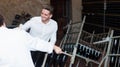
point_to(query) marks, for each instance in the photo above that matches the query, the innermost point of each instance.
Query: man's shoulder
(36, 17)
(53, 21)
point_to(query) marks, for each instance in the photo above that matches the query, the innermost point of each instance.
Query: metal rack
(76, 38)
(71, 39)
(112, 57)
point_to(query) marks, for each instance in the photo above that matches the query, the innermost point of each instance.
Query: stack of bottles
(83, 50)
(69, 48)
(114, 60)
(88, 52)
(56, 60)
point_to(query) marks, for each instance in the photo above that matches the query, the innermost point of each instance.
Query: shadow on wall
(21, 19)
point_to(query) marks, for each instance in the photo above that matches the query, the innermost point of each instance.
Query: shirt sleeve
(34, 43)
(27, 25)
(54, 35)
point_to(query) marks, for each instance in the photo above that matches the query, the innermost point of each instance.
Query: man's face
(45, 15)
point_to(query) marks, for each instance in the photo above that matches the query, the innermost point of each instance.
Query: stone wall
(9, 8)
(76, 10)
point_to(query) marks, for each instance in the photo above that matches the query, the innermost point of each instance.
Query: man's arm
(53, 37)
(26, 26)
(35, 43)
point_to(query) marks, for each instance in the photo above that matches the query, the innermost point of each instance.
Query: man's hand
(57, 50)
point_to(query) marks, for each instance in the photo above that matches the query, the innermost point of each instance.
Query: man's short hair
(1, 20)
(49, 8)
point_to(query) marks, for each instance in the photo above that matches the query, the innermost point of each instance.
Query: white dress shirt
(46, 32)
(15, 47)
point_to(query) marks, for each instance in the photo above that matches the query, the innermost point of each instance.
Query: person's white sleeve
(54, 34)
(41, 45)
(37, 44)
(26, 26)
(53, 37)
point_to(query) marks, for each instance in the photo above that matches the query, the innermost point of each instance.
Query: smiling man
(43, 27)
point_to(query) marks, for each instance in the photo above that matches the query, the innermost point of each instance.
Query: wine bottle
(55, 58)
(62, 60)
(84, 51)
(97, 55)
(88, 52)
(81, 50)
(93, 54)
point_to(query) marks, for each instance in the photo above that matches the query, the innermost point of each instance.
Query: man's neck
(45, 22)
